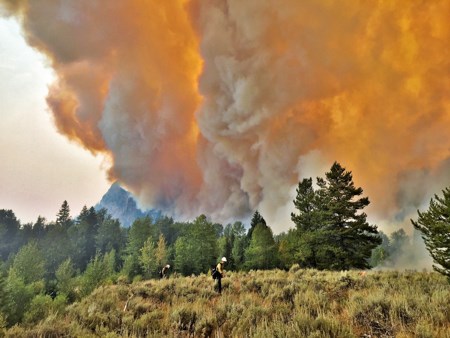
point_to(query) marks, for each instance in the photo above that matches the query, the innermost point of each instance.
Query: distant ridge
(122, 205)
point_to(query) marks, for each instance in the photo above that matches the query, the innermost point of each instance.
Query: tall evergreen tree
(331, 232)
(168, 228)
(256, 219)
(354, 236)
(39, 228)
(140, 230)
(138, 233)
(308, 244)
(82, 237)
(225, 243)
(56, 247)
(110, 236)
(63, 218)
(239, 245)
(262, 251)
(434, 224)
(9, 230)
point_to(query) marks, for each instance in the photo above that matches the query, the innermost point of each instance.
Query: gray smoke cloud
(221, 107)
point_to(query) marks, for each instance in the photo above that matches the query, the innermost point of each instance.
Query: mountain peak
(121, 204)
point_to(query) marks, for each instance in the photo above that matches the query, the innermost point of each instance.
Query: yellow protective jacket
(219, 268)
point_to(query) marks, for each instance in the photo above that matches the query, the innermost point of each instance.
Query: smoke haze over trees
(56, 263)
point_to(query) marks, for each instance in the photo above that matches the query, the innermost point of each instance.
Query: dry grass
(298, 303)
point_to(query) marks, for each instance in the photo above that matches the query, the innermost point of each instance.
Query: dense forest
(51, 264)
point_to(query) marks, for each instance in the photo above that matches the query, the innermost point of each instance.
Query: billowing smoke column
(222, 106)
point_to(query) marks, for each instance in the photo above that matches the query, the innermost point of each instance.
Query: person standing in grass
(220, 272)
(165, 270)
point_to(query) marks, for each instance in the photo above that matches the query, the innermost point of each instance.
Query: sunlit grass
(295, 303)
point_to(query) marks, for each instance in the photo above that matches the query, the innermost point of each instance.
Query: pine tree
(39, 228)
(330, 232)
(355, 238)
(82, 237)
(434, 224)
(308, 244)
(63, 218)
(262, 251)
(256, 219)
(9, 231)
(226, 245)
(110, 236)
(239, 246)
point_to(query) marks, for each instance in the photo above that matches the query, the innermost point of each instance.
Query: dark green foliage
(434, 224)
(262, 251)
(110, 236)
(140, 230)
(39, 228)
(131, 266)
(166, 226)
(226, 244)
(9, 227)
(330, 233)
(63, 218)
(82, 236)
(240, 242)
(256, 219)
(55, 247)
(196, 250)
(309, 243)
(381, 253)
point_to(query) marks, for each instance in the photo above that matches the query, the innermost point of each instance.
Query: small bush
(40, 308)
(183, 318)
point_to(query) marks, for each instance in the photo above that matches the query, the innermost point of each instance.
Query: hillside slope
(298, 303)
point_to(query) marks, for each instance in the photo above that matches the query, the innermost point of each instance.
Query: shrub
(40, 308)
(183, 318)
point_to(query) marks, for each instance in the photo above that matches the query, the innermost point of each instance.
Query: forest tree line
(56, 263)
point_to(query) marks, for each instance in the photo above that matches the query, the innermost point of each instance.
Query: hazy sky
(39, 168)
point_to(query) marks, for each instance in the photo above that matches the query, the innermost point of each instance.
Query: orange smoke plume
(222, 106)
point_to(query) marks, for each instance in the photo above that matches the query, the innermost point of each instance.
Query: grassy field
(297, 303)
